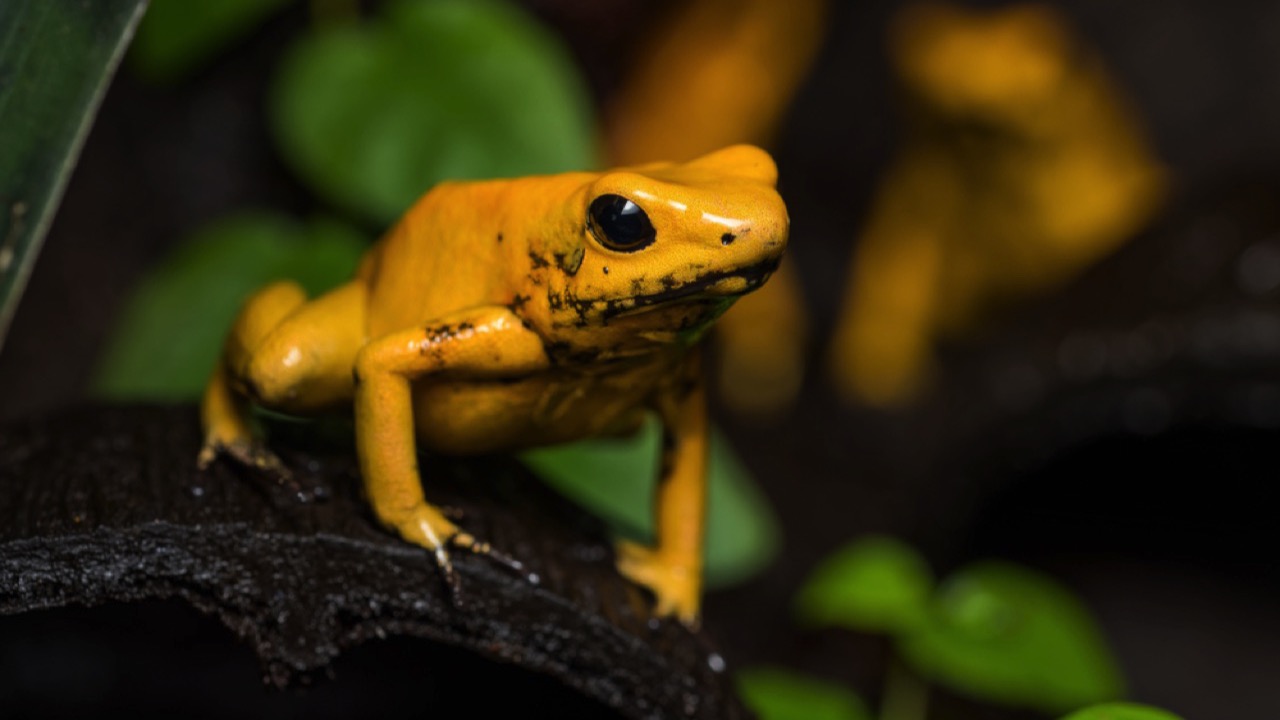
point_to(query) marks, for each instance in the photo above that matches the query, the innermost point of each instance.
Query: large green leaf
(614, 478)
(180, 35)
(56, 59)
(1013, 636)
(1121, 711)
(875, 584)
(171, 332)
(776, 694)
(372, 115)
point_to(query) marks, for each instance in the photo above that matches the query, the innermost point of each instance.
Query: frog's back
(446, 254)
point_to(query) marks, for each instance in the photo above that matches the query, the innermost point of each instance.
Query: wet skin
(506, 314)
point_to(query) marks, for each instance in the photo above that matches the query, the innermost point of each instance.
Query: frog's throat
(752, 277)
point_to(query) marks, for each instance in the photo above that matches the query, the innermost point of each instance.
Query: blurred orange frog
(1021, 166)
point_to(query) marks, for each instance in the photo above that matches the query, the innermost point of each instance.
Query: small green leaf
(373, 115)
(777, 694)
(614, 478)
(56, 59)
(1121, 711)
(1013, 636)
(178, 36)
(874, 584)
(170, 334)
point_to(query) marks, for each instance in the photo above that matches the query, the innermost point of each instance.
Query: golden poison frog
(505, 314)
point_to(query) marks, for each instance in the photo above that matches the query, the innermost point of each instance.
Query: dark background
(1163, 528)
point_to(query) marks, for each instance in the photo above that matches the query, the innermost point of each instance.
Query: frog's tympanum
(1021, 166)
(511, 313)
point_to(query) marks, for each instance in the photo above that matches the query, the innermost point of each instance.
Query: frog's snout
(750, 244)
(760, 236)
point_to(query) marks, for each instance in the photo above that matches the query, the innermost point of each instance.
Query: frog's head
(693, 236)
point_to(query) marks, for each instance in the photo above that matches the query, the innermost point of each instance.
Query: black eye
(620, 224)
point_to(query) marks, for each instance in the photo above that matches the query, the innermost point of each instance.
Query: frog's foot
(675, 585)
(247, 451)
(429, 528)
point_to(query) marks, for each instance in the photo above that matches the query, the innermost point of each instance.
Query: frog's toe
(675, 587)
(427, 528)
(467, 542)
(208, 453)
(250, 453)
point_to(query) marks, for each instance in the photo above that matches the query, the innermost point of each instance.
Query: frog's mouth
(717, 285)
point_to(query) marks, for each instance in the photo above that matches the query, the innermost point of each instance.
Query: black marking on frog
(439, 333)
(673, 290)
(518, 303)
(538, 261)
(499, 237)
(570, 262)
(606, 269)
(728, 238)
(557, 350)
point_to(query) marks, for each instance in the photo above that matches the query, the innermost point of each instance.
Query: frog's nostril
(728, 238)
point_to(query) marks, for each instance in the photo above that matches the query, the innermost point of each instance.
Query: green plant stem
(906, 696)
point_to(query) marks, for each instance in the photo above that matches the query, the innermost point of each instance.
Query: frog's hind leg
(286, 354)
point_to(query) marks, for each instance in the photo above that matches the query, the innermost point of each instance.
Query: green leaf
(373, 115)
(776, 694)
(56, 59)
(1013, 636)
(875, 584)
(180, 35)
(170, 334)
(614, 478)
(1121, 711)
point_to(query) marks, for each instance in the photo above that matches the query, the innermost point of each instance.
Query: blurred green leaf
(875, 584)
(56, 59)
(180, 35)
(1013, 636)
(776, 694)
(614, 478)
(1121, 711)
(171, 332)
(372, 115)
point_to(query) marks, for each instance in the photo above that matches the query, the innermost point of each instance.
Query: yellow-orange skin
(717, 72)
(492, 318)
(1021, 166)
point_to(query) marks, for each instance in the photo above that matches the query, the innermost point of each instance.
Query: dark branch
(106, 504)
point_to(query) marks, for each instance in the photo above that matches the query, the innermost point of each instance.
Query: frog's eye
(620, 224)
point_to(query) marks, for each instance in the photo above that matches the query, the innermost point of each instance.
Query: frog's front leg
(673, 568)
(488, 342)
